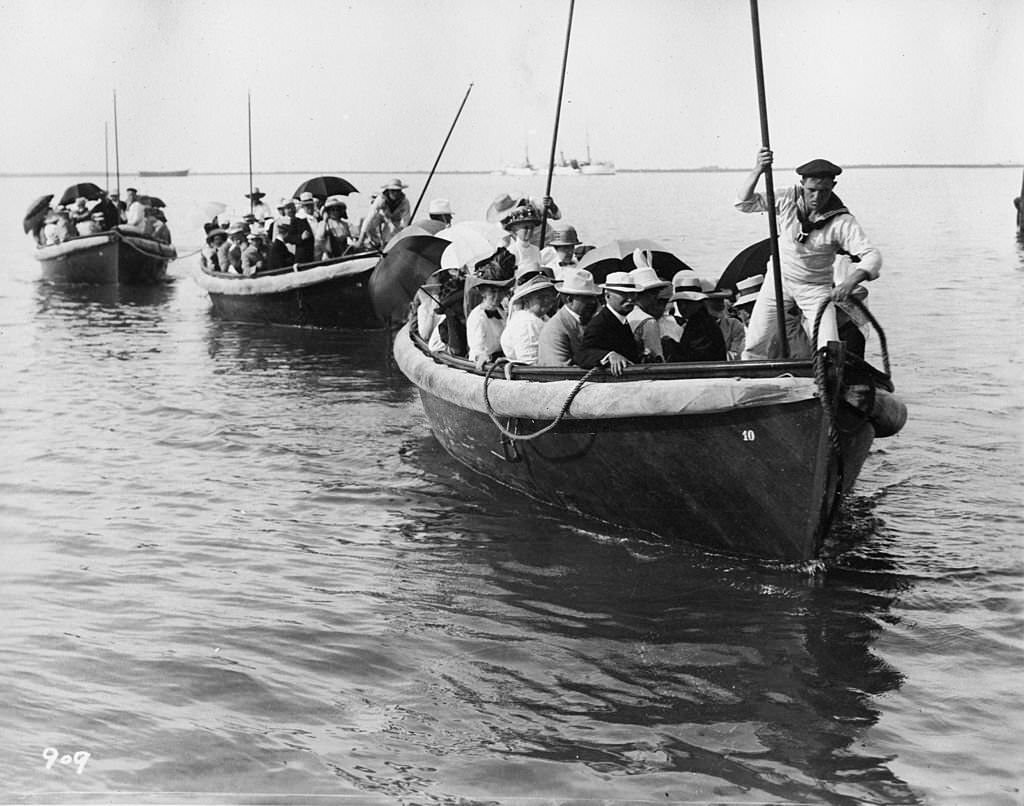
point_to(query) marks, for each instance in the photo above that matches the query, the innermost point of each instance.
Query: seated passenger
(389, 212)
(334, 233)
(237, 243)
(733, 331)
(213, 256)
(135, 211)
(652, 295)
(252, 255)
(486, 321)
(747, 290)
(505, 206)
(530, 305)
(607, 338)
(564, 240)
(92, 225)
(521, 222)
(700, 338)
(282, 251)
(260, 209)
(79, 211)
(562, 334)
(160, 229)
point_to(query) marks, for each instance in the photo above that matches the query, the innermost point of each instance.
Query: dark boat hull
(317, 296)
(110, 258)
(751, 479)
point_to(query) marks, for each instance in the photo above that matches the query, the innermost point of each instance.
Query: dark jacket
(702, 340)
(603, 334)
(278, 256)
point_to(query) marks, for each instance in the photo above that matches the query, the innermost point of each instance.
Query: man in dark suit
(562, 334)
(608, 338)
(281, 252)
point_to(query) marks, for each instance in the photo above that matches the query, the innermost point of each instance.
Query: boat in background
(599, 167)
(113, 257)
(179, 172)
(330, 293)
(524, 168)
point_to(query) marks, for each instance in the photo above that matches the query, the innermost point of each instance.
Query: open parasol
(618, 256)
(752, 260)
(398, 276)
(82, 189)
(37, 212)
(324, 186)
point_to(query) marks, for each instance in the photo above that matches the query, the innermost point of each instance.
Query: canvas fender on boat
(543, 400)
(84, 243)
(275, 283)
(884, 410)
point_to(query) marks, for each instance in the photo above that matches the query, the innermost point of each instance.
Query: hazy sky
(370, 85)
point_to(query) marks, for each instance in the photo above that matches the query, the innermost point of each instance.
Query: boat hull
(110, 258)
(328, 295)
(756, 480)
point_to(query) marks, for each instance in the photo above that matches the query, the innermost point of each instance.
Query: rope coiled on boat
(550, 426)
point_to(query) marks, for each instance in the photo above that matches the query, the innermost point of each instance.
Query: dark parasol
(37, 212)
(618, 256)
(87, 190)
(152, 201)
(752, 260)
(406, 265)
(324, 186)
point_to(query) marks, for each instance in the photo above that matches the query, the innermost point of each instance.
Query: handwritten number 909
(53, 756)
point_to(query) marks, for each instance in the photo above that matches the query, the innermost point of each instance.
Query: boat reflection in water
(619, 663)
(119, 302)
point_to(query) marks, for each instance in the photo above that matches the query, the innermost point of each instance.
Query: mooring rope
(550, 426)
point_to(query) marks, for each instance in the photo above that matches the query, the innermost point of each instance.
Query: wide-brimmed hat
(394, 184)
(256, 194)
(577, 282)
(335, 201)
(686, 285)
(563, 235)
(620, 281)
(238, 228)
(306, 197)
(747, 289)
(285, 203)
(525, 274)
(439, 207)
(524, 213)
(710, 288)
(499, 207)
(645, 278)
(531, 287)
(214, 233)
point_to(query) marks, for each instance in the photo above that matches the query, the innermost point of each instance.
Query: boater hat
(306, 197)
(645, 278)
(439, 207)
(532, 287)
(686, 285)
(336, 201)
(619, 281)
(394, 184)
(747, 290)
(578, 283)
(819, 167)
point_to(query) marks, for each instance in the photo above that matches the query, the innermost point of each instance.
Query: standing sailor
(814, 226)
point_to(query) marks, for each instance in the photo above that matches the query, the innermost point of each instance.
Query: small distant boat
(177, 172)
(1019, 204)
(566, 167)
(524, 168)
(326, 294)
(599, 167)
(115, 257)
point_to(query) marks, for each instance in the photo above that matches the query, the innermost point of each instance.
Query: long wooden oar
(439, 153)
(558, 117)
(769, 185)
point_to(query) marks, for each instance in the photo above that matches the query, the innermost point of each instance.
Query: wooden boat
(177, 172)
(107, 258)
(326, 294)
(740, 457)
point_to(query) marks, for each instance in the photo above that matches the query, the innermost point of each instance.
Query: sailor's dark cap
(819, 167)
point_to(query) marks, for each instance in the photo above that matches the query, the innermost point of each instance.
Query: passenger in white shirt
(135, 211)
(486, 322)
(530, 305)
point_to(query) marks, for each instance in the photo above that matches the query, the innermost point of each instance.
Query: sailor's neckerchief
(833, 208)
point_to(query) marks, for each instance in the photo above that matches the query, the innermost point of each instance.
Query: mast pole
(117, 154)
(252, 203)
(444, 145)
(106, 157)
(769, 185)
(558, 116)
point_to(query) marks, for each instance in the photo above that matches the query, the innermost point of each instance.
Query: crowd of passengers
(536, 306)
(90, 217)
(306, 229)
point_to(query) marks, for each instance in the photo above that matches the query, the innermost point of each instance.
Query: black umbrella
(37, 212)
(324, 186)
(618, 256)
(85, 189)
(152, 201)
(752, 260)
(400, 273)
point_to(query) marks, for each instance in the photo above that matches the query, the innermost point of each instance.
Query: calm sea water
(237, 568)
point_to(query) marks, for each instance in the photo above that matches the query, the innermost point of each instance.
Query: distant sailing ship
(176, 172)
(524, 168)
